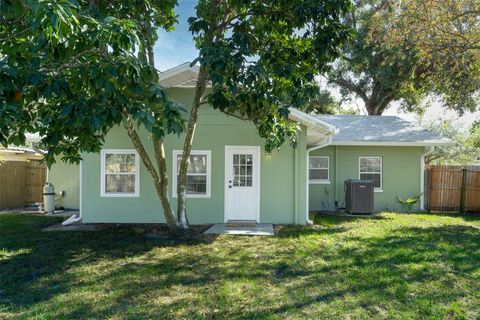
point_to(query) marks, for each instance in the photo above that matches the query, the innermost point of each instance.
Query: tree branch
(351, 86)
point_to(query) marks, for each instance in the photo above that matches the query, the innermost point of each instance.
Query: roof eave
(393, 143)
(176, 71)
(311, 122)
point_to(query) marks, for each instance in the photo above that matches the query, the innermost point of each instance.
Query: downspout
(422, 177)
(76, 218)
(322, 145)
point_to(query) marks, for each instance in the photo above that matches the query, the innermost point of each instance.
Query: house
(23, 154)
(231, 176)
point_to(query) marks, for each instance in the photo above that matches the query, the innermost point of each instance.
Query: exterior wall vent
(359, 196)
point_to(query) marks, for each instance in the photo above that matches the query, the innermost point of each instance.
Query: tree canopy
(68, 71)
(261, 57)
(466, 149)
(446, 35)
(406, 51)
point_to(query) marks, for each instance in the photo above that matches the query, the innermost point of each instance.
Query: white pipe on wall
(76, 218)
(322, 145)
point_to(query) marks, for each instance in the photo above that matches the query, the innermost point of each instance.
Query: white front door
(242, 185)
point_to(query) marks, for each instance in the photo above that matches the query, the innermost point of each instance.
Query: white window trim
(319, 181)
(381, 171)
(208, 153)
(135, 194)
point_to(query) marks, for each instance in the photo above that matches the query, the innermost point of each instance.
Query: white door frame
(256, 151)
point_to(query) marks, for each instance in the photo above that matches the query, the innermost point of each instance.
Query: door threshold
(241, 223)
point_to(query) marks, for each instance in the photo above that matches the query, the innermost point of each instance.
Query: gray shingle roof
(387, 130)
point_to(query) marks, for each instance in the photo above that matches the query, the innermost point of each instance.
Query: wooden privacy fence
(452, 188)
(21, 183)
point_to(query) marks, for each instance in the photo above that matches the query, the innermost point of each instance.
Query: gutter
(75, 218)
(310, 121)
(320, 146)
(394, 143)
(422, 176)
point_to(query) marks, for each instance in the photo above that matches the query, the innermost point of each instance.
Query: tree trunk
(161, 186)
(160, 178)
(187, 148)
(214, 31)
(158, 145)
(163, 175)
(371, 108)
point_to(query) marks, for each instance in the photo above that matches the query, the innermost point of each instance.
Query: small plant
(408, 204)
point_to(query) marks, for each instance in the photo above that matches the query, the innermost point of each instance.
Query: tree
(465, 150)
(475, 134)
(447, 36)
(69, 72)
(326, 103)
(259, 57)
(371, 68)
(405, 51)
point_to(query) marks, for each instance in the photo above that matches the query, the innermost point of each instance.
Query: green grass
(395, 266)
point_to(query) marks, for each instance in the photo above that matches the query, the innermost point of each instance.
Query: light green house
(232, 178)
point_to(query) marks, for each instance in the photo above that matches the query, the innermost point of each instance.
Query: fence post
(429, 188)
(462, 190)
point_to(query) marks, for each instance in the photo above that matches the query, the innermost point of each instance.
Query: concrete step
(241, 223)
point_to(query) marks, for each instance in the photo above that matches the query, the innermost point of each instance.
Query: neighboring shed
(22, 176)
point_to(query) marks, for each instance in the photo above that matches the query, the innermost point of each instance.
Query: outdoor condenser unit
(359, 196)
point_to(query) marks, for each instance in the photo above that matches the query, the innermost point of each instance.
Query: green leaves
(68, 71)
(197, 25)
(406, 51)
(262, 57)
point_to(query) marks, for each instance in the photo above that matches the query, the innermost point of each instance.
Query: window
(243, 170)
(318, 169)
(198, 174)
(371, 169)
(120, 173)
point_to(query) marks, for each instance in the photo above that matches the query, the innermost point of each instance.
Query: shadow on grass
(295, 231)
(241, 277)
(331, 220)
(35, 255)
(469, 217)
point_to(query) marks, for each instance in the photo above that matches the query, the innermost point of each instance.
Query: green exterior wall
(401, 175)
(66, 177)
(282, 175)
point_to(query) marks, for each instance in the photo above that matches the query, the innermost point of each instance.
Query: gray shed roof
(380, 130)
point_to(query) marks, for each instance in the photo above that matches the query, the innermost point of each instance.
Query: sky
(176, 47)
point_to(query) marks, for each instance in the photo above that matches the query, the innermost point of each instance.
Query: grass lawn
(396, 266)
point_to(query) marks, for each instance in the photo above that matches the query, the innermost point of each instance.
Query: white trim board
(311, 121)
(391, 143)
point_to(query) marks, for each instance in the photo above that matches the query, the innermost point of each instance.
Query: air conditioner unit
(359, 196)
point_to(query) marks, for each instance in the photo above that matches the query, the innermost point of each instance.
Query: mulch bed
(150, 231)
